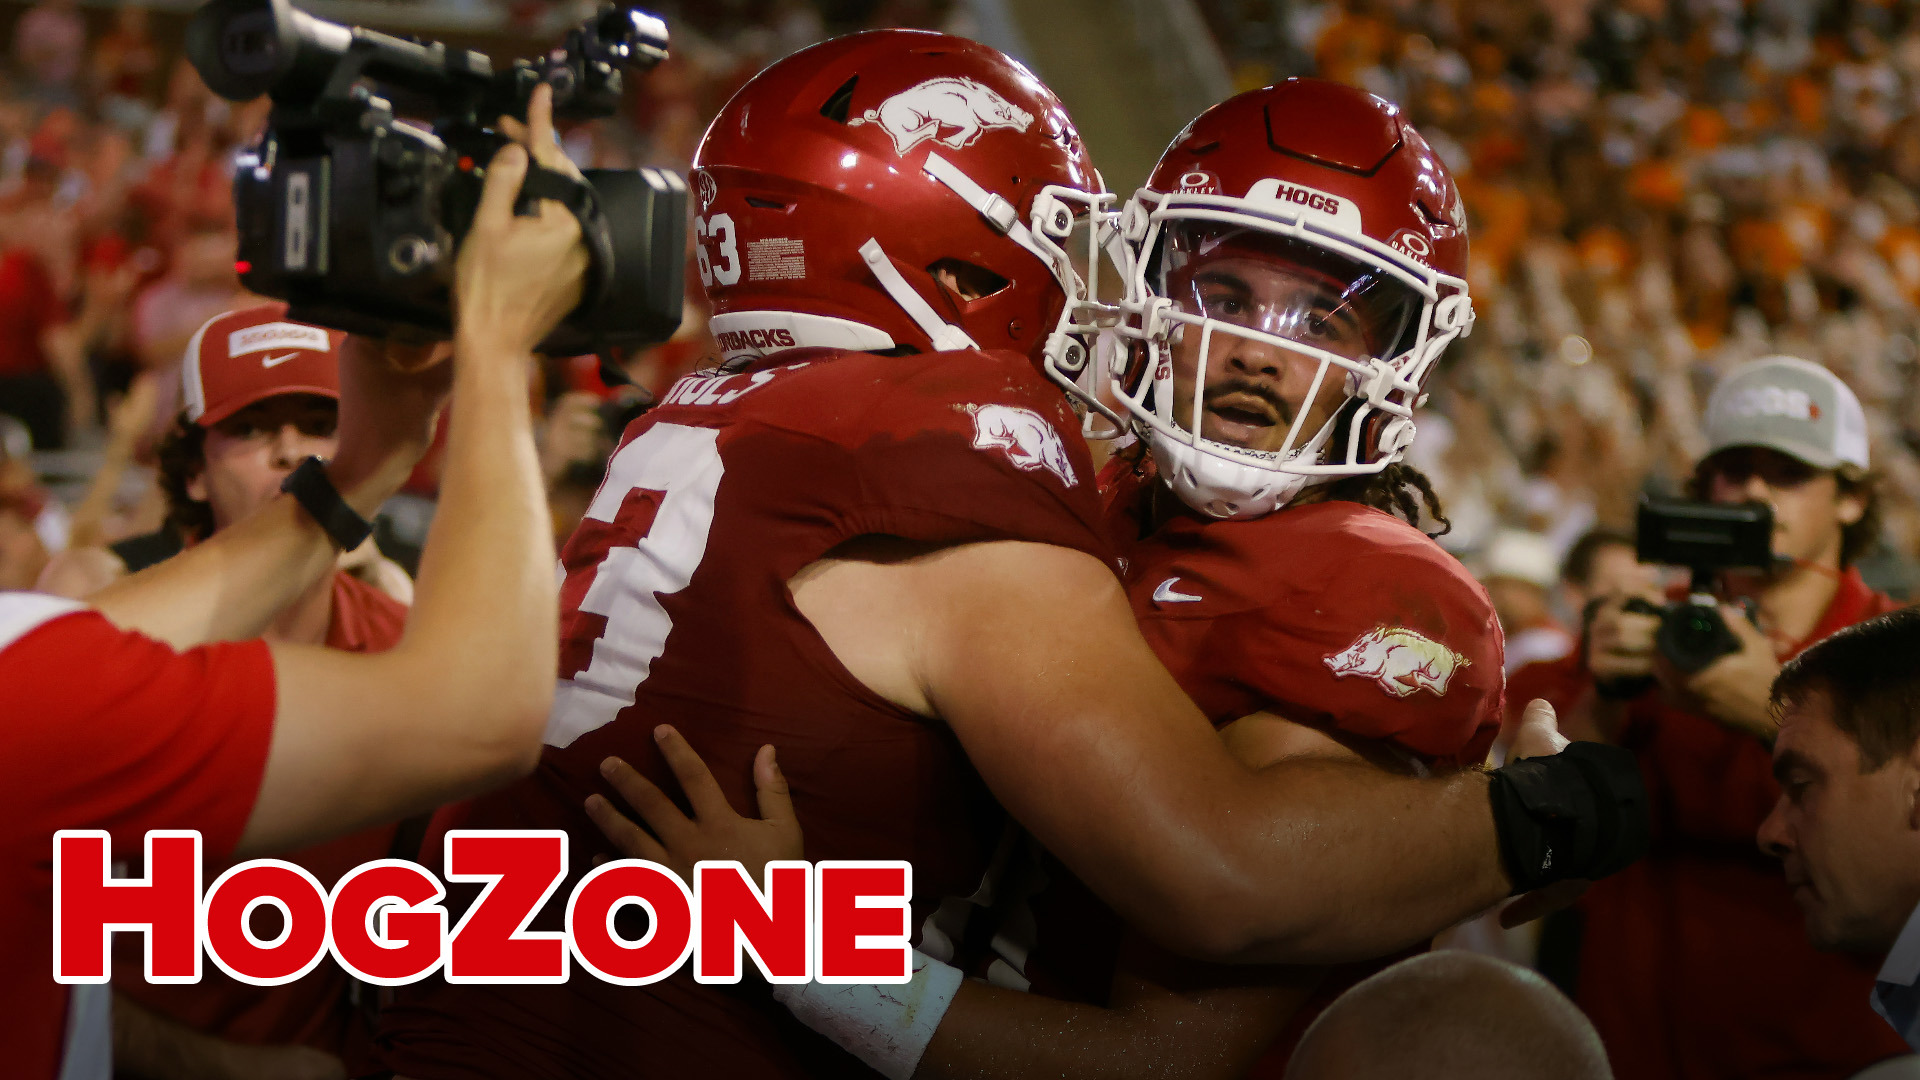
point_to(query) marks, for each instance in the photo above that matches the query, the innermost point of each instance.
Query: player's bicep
(365, 738)
(1031, 654)
(1257, 740)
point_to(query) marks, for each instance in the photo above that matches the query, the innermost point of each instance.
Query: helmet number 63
(725, 268)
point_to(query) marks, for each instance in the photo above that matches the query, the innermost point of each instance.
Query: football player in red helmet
(873, 538)
(1305, 242)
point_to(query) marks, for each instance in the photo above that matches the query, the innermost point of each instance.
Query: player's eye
(1224, 304)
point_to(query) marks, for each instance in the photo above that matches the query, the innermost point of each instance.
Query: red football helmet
(837, 188)
(1311, 220)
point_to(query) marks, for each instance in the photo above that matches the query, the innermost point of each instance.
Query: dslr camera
(353, 204)
(1706, 538)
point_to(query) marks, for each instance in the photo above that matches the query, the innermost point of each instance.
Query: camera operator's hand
(1736, 688)
(1620, 642)
(517, 277)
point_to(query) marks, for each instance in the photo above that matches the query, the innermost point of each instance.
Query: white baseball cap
(1791, 405)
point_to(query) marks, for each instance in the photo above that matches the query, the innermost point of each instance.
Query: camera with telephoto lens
(1707, 539)
(353, 214)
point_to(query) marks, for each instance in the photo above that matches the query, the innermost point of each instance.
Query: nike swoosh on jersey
(276, 361)
(1164, 594)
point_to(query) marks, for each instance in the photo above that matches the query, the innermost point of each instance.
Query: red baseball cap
(253, 354)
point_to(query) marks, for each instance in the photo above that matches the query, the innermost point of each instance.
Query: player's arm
(457, 706)
(1169, 1017)
(1031, 654)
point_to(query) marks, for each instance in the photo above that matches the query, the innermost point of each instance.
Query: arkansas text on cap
(253, 354)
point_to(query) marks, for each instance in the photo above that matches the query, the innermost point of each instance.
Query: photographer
(1693, 962)
(264, 747)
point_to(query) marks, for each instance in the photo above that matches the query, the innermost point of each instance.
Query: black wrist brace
(1581, 813)
(310, 485)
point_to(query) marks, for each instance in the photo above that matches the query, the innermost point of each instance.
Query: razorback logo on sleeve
(1400, 660)
(1026, 437)
(951, 111)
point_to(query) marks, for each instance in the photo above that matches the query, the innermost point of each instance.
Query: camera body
(353, 215)
(1707, 538)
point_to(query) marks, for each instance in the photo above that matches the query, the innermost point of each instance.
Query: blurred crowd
(117, 242)
(1658, 192)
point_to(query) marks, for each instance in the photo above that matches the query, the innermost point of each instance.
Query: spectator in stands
(261, 395)
(49, 43)
(1451, 1015)
(1520, 571)
(1846, 824)
(1695, 955)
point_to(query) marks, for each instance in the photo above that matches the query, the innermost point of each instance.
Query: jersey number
(679, 468)
(724, 270)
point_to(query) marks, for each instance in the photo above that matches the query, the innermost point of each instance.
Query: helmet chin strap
(945, 336)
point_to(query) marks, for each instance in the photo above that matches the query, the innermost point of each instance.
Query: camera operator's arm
(458, 705)
(1734, 689)
(1619, 649)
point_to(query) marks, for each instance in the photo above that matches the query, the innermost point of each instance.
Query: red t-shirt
(675, 609)
(312, 1010)
(108, 730)
(1695, 961)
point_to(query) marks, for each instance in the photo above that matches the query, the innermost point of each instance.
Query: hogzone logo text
(830, 922)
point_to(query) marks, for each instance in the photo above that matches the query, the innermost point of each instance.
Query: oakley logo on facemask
(950, 111)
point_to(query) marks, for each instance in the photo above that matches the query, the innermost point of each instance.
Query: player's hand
(1537, 734)
(1620, 642)
(715, 832)
(1736, 689)
(517, 277)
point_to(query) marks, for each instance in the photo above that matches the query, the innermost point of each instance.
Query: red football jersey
(108, 730)
(1331, 614)
(675, 609)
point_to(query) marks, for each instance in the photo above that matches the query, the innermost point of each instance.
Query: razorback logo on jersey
(1029, 441)
(1400, 660)
(950, 111)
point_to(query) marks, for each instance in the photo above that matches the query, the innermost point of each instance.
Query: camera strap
(583, 203)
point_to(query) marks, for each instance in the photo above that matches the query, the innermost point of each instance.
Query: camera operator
(1693, 963)
(264, 747)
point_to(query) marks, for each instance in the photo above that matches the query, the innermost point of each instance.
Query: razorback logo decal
(1029, 441)
(951, 111)
(1400, 660)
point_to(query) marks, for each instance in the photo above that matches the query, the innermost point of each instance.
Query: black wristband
(1581, 813)
(313, 488)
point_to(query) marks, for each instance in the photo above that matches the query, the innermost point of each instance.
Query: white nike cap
(1791, 405)
(250, 355)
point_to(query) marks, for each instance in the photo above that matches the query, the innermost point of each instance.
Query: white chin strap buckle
(945, 336)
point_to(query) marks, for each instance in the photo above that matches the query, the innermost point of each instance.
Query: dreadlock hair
(1397, 489)
(182, 455)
